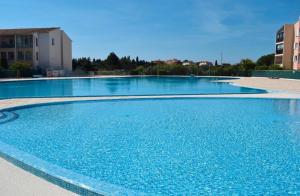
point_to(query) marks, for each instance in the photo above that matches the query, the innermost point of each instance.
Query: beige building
(287, 46)
(47, 49)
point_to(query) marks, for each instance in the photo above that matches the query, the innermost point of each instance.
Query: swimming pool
(119, 86)
(163, 146)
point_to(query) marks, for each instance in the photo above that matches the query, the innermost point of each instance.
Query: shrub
(22, 68)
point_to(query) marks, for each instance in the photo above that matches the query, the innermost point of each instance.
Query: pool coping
(8, 103)
(109, 76)
(54, 179)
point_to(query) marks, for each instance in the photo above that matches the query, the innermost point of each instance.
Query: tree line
(113, 65)
(134, 66)
(112, 62)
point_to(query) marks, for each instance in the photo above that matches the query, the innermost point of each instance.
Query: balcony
(24, 41)
(279, 51)
(279, 48)
(280, 37)
(278, 60)
(7, 42)
(7, 45)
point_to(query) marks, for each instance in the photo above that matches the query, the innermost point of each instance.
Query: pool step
(7, 116)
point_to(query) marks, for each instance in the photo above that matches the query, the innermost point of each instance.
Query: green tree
(22, 68)
(140, 70)
(267, 60)
(245, 67)
(216, 63)
(127, 64)
(247, 64)
(112, 61)
(3, 63)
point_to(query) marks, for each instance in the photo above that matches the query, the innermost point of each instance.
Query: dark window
(3, 55)
(279, 49)
(11, 56)
(20, 55)
(7, 42)
(36, 42)
(280, 35)
(52, 42)
(11, 42)
(37, 56)
(28, 55)
(25, 41)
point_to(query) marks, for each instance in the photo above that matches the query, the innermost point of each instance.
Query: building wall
(296, 64)
(288, 46)
(35, 51)
(66, 53)
(43, 42)
(55, 48)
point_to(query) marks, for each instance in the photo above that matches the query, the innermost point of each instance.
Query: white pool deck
(15, 181)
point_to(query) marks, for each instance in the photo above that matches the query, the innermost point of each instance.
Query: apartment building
(287, 52)
(47, 49)
(296, 65)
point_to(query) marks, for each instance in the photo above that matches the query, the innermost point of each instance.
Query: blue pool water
(168, 146)
(119, 86)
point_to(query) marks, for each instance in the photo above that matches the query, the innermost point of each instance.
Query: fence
(277, 73)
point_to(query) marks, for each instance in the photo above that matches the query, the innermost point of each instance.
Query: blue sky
(159, 29)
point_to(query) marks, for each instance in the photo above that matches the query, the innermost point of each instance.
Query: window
(20, 55)
(28, 55)
(52, 41)
(279, 48)
(298, 33)
(297, 59)
(24, 41)
(280, 35)
(296, 46)
(11, 42)
(11, 56)
(37, 56)
(3, 55)
(36, 42)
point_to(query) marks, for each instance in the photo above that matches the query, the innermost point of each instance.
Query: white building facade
(46, 49)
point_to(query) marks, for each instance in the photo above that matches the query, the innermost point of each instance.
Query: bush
(138, 71)
(112, 72)
(3, 63)
(266, 60)
(23, 69)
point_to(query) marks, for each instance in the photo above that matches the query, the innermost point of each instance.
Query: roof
(26, 31)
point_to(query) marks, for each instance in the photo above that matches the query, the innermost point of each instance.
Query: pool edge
(48, 177)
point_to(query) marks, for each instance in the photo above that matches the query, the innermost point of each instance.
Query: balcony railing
(24, 41)
(7, 45)
(279, 51)
(7, 41)
(280, 37)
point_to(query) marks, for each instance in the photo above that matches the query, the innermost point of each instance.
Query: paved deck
(15, 181)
